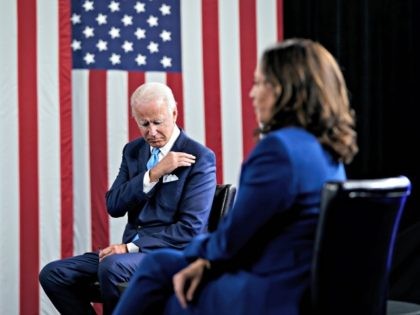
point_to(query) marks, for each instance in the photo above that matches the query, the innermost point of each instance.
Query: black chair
(222, 202)
(354, 247)
(224, 196)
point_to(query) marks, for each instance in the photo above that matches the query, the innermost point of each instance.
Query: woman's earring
(278, 90)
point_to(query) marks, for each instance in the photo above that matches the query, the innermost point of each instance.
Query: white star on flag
(89, 58)
(153, 21)
(114, 6)
(165, 9)
(102, 45)
(165, 35)
(153, 47)
(115, 59)
(166, 62)
(101, 19)
(139, 7)
(140, 33)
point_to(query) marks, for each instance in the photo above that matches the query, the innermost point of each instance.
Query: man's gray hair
(154, 91)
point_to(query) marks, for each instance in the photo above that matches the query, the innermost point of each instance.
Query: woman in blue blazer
(258, 260)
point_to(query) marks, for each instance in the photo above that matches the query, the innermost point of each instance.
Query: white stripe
(117, 136)
(81, 165)
(266, 24)
(49, 141)
(230, 90)
(9, 162)
(49, 131)
(192, 69)
(155, 77)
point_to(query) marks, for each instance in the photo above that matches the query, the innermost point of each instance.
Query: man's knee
(110, 267)
(48, 276)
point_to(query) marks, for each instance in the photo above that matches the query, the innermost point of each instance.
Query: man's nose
(152, 130)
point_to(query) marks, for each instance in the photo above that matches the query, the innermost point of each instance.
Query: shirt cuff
(132, 248)
(147, 184)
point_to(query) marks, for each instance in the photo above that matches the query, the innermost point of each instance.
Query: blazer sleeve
(193, 209)
(126, 192)
(266, 189)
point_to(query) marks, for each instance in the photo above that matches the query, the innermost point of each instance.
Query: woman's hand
(188, 279)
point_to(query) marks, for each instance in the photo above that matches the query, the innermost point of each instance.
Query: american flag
(67, 71)
(126, 35)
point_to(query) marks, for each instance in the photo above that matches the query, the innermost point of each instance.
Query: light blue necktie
(154, 159)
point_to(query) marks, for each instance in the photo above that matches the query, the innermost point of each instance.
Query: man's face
(155, 121)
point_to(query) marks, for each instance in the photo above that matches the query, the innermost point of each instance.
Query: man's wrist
(153, 177)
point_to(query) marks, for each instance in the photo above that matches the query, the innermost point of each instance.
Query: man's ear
(175, 114)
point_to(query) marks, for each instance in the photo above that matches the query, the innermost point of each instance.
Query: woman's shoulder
(291, 141)
(291, 135)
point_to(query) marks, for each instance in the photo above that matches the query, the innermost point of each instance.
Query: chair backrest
(222, 202)
(354, 245)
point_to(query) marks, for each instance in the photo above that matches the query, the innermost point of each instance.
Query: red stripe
(212, 99)
(135, 79)
(280, 30)
(98, 157)
(248, 48)
(28, 157)
(174, 81)
(66, 147)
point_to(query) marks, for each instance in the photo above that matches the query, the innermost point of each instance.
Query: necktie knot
(154, 158)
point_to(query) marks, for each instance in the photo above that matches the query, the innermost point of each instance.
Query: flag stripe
(98, 157)
(50, 199)
(266, 24)
(280, 27)
(248, 42)
(192, 68)
(82, 239)
(9, 164)
(28, 155)
(230, 83)
(66, 154)
(155, 76)
(212, 82)
(48, 135)
(117, 136)
(135, 79)
(174, 80)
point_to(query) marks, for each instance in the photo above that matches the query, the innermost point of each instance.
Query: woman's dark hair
(313, 95)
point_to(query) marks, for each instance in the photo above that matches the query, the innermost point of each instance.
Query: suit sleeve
(193, 208)
(266, 189)
(125, 193)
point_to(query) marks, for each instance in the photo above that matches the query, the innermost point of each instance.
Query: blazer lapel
(179, 143)
(143, 157)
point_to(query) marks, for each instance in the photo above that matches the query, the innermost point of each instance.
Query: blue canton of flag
(126, 35)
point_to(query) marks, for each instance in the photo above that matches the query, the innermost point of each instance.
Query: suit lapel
(179, 143)
(143, 157)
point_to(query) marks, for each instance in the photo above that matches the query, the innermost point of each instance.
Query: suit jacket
(264, 245)
(173, 211)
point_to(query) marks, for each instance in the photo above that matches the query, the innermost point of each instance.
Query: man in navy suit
(167, 202)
